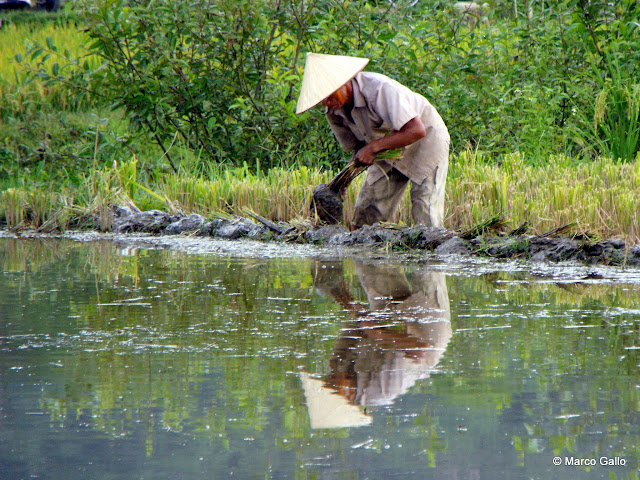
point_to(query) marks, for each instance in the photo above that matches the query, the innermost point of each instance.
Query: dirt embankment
(440, 241)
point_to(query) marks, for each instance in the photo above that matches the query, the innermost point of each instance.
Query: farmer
(370, 113)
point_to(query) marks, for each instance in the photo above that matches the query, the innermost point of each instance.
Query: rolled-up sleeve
(348, 141)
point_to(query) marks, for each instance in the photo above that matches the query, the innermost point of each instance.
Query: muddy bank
(540, 248)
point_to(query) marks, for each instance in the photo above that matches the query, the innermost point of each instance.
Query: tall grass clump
(617, 118)
(38, 209)
(279, 194)
(598, 196)
(608, 121)
(611, 123)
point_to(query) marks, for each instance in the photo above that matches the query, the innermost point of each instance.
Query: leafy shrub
(222, 77)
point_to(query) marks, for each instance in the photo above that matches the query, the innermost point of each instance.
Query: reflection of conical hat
(328, 409)
(323, 75)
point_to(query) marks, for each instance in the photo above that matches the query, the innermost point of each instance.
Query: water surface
(122, 360)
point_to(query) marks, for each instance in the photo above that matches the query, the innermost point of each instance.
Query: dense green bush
(218, 75)
(524, 79)
(222, 77)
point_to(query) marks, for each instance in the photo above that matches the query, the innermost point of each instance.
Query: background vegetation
(205, 91)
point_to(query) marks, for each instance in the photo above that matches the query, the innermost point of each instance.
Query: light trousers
(379, 201)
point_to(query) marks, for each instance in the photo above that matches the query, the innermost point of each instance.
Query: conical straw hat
(323, 75)
(328, 409)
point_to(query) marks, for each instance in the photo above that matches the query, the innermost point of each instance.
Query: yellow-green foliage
(600, 196)
(16, 39)
(278, 194)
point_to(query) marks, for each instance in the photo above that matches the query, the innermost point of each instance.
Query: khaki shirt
(381, 105)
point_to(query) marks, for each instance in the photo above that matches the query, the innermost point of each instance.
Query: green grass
(62, 39)
(17, 34)
(600, 197)
(50, 137)
(64, 164)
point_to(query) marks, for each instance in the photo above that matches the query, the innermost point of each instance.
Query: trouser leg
(427, 198)
(377, 202)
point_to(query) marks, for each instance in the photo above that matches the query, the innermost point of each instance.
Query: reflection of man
(385, 350)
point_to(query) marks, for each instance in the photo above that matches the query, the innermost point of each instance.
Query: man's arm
(411, 132)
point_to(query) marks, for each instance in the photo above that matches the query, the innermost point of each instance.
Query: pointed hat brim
(328, 409)
(323, 75)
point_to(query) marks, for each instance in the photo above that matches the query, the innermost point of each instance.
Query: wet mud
(326, 203)
(417, 240)
(437, 240)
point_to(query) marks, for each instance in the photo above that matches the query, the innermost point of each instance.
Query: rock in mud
(454, 246)
(367, 235)
(186, 224)
(609, 252)
(324, 234)
(509, 247)
(553, 249)
(426, 238)
(633, 255)
(207, 230)
(126, 220)
(234, 229)
(327, 204)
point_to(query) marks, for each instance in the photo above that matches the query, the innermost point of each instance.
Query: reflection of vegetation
(568, 333)
(158, 341)
(522, 289)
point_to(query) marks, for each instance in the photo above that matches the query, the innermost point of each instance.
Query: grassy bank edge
(599, 198)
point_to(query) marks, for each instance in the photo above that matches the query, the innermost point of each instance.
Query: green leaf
(36, 53)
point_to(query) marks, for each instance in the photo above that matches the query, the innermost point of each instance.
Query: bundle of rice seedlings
(326, 201)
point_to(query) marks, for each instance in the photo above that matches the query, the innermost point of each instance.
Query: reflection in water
(121, 363)
(385, 349)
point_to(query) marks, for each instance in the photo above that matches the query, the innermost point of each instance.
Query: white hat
(328, 409)
(323, 75)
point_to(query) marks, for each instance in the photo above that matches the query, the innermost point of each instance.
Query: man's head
(327, 79)
(339, 98)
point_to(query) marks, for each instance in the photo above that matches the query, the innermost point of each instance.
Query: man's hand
(366, 155)
(411, 132)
